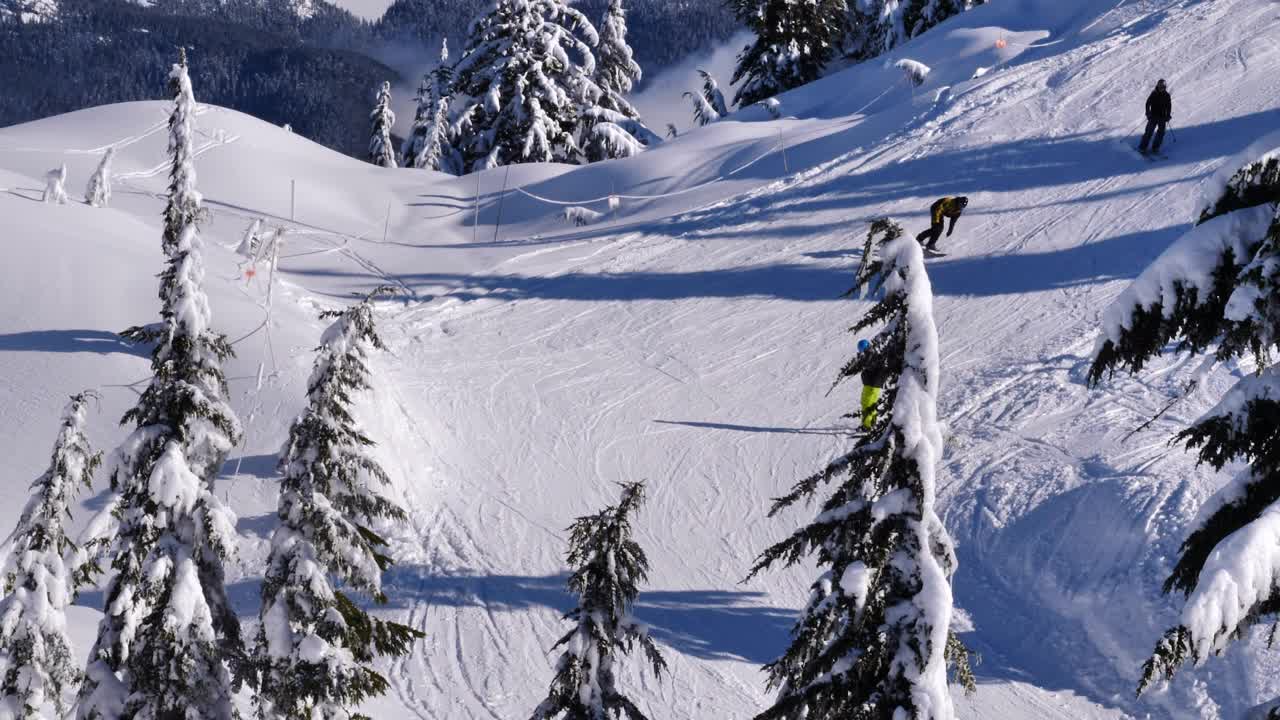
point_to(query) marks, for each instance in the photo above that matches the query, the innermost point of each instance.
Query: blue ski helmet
(863, 345)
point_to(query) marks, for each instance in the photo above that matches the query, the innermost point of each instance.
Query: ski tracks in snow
(693, 353)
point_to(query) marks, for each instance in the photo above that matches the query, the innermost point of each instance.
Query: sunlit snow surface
(689, 340)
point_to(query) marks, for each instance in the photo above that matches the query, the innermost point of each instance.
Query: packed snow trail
(688, 341)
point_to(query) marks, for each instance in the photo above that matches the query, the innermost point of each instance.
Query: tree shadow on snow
(837, 431)
(245, 596)
(707, 624)
(1044, 588)
(259, 466)
(1117, 258)
(37, 194)
(1030, 163)
(98, 502)
(1019, 165)
(100, 342)
(258, 525)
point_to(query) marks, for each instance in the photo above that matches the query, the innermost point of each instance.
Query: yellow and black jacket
(947, 207)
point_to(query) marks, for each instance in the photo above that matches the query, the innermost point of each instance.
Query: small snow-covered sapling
(55, 186)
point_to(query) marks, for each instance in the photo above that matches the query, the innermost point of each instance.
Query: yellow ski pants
(870, 396)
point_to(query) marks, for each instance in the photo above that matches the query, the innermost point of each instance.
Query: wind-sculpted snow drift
(687, 338)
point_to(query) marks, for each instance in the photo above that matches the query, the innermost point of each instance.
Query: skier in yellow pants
(870, 396)
(873, 380)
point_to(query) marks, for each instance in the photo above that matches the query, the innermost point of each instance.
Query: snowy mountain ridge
(688, 337)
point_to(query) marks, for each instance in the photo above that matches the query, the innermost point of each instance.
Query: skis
(1151, 155)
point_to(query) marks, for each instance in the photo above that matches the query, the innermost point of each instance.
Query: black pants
(1158, 127)
(932, 234)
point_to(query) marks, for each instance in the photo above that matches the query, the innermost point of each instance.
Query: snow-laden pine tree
(28, 11)
(613, 129)
(416, 140)
(382, 151)
(795, 39)
(1217, 290)
(168, 639)
(524, 83)
(608, 565)
(98, 192)
(617, 71)
(429, 146)
(37, 671)
(914, 71)
(874, 640)
(55, 186)
(709, 105)
(878, 26)
(611, 135)
(316, 645)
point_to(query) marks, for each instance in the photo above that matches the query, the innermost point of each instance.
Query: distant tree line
(109, 51)
(259, 57)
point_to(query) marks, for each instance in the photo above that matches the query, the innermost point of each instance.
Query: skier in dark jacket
(873, 380)
(947, 207)
(1159, 112)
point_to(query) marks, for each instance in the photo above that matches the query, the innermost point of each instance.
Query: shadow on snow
(1118, 258)
(707, 624)
(100, 342)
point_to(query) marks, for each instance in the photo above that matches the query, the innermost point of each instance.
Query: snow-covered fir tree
(709, 105)
(793, 44)
(874, 640)
(304, 9)
(55, 186)
(169, 640)
(98, 192)
(429, 145)
(878, 26)
(617, 71)
(524, 83)
(381, 150)
(315, 646)
(37, 671)
(608, 565)
(28, 11)
(611, 135)
(1217, 290)
(613, 128)
(914, 71)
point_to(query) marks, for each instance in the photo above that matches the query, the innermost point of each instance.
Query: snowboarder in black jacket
(1159, 112)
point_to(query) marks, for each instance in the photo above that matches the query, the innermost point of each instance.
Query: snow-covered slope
(689, 340)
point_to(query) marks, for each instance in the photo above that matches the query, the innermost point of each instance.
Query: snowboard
(934, 253)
